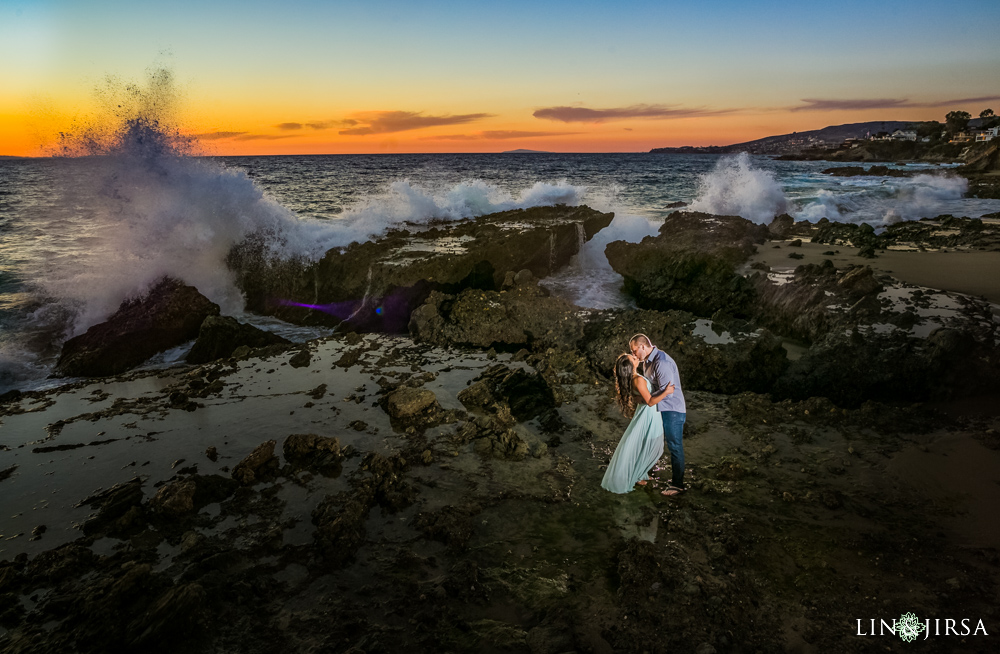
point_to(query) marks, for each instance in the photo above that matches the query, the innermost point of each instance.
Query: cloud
(213, 136)
(317, 124)
(653, 111)
(386, 122)
(495, 135)
(814, 104)
(327, 124)
(264, 137)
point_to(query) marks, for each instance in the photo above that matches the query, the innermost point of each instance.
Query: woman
(641, 445)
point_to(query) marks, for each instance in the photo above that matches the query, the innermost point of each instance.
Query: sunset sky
(348, 77)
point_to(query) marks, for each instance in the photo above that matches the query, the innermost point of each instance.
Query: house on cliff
(987, 134)
(905, 135)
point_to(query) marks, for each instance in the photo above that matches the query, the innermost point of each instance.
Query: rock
(375, 285)
(320, 453)
(523, 316)
(851, 368)
(412, 407)
(526, 395)
(169, 315)
(259, 465)
(691, 264)
(241, 352)
(780, 226)
(813, 302)
(220, 336)
(300, 359)
(118, 508)
(175, 498)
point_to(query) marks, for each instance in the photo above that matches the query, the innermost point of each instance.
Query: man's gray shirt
(661, 370)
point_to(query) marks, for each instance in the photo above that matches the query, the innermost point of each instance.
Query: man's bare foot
(670, 492)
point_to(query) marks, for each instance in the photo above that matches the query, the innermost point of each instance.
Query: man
(661, 370)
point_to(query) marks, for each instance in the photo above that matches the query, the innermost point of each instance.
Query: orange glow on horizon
(33, 135)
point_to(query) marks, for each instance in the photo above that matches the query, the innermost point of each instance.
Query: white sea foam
(735, 187)
(888, 200)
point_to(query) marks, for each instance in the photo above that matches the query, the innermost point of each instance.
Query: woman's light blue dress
(639, 449)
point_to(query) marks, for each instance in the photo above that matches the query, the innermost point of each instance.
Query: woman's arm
(656, 399)
(640, 385)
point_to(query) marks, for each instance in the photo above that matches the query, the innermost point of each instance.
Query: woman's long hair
(623, 385)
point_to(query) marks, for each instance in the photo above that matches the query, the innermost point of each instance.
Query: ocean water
(79, 235)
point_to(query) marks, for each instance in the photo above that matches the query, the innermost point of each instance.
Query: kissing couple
(648, 387)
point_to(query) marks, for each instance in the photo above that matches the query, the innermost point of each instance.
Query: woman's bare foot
(642, 482)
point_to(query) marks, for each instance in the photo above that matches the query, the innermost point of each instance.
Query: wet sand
(962, 271)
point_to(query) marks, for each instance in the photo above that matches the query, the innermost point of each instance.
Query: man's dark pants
(673, 433)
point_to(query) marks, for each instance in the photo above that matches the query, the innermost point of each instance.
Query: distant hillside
(525, 152)
(796, 141)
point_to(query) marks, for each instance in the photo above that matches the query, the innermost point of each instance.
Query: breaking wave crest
(887, 200)
(147, 208)
(736, 188)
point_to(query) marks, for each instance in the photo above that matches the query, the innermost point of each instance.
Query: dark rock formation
(375, 285)
(320, 453)
(169, 315)
(413, 407)
(691, 264)
(118, 508)
(175, 498)
(522, 317)
(527, 395)
(259, 465)
(340, 519)
(219, 336)
(817, 299)
(853, 368)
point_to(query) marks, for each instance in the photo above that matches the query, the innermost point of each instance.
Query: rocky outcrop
(413, 407)
(851, 368)
(321, 453)
(740, 358)
(817, 299)
(375, 285)
(691, 264)
(340, 519)
(521, 317)
(219, 336)
(526, 395)
(169, 315)
(260, 465)
(944, 231)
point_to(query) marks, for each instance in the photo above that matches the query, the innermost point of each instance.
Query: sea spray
(737, 188)
(885, 200)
